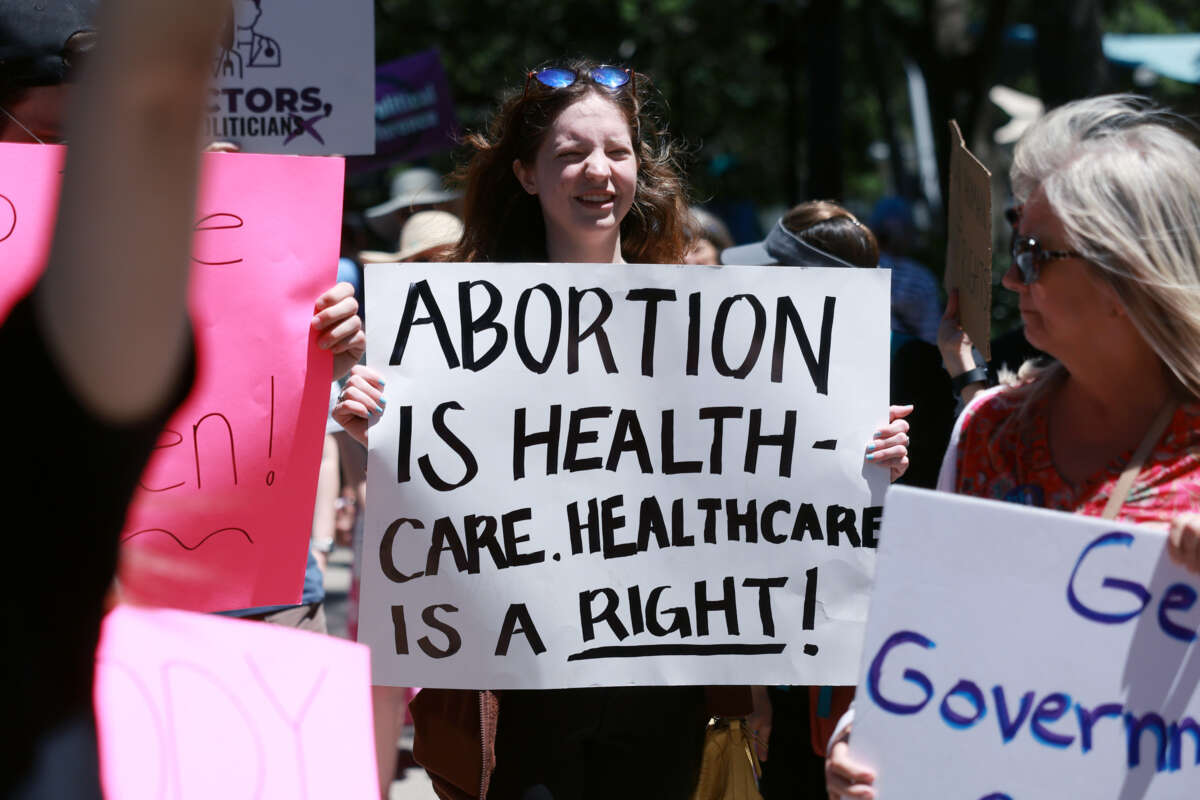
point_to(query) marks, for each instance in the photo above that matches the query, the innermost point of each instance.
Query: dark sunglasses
(1027, 252)
(562, 77)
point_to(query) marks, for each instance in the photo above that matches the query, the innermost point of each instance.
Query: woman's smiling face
(584, 173)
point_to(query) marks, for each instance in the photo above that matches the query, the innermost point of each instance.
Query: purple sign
(414, 113)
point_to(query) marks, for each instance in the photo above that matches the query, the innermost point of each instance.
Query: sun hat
(33, 40)
(423, 230)
(419, 186)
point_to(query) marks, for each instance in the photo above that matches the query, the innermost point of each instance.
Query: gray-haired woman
(1106, 267)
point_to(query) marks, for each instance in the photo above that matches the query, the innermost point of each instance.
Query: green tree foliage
(733, 77)
(776, 101)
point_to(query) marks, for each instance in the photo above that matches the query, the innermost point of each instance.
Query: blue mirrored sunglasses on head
(1027, 252)
(562, 77)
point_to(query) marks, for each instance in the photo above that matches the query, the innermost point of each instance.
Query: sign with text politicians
(414, 111)
(223, 514)
(191, 705)
(296, 78)
(604, 475)
(1019, 653)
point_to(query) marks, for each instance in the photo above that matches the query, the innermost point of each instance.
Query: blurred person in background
(823, 234)
(424, 237)
(818, 233)
(412, 190)
(708, 238)
(41, 49)
(916, 303)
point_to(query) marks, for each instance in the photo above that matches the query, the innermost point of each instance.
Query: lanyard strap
(1121, 489)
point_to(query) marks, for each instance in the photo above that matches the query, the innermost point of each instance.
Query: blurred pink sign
(196, 706)
(224, 511)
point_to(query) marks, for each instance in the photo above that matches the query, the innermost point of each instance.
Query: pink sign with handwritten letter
(224, 511)
(191, 705)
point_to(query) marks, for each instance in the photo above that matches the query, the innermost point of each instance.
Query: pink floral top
(1013, 463)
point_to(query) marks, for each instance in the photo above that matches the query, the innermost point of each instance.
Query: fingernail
(870, 456)
(378, 410)
(878, 434)
(316, 321)
(870, 447)
(382, 382)
(383, 401)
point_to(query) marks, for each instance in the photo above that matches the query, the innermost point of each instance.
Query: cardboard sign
(191, 705)
(969, 245)
(603, 475)
(414, 111)
(297, 78)
(1017, 653)
(223, 514)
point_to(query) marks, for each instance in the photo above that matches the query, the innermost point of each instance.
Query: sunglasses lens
(612, 77)
(555, 77)
(1028, 267)
(1024, 255)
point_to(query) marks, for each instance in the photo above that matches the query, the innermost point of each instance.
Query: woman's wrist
(958, 363)
(965, 379)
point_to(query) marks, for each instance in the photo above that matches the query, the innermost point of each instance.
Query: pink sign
(196, 706)
(224, 511)
(30, 176)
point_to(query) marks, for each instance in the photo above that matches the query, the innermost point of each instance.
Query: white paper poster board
(1021, 653)
(298, 78)
(632, 515)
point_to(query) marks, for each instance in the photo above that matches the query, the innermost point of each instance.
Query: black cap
(33, 39)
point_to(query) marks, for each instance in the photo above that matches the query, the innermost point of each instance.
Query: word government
(1122, 727)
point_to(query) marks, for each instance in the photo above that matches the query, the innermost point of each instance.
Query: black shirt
(70, 478)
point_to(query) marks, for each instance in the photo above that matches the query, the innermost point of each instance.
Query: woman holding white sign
(571, 170)
(1106, 266)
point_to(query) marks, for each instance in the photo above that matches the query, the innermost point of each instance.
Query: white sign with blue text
(296, 77)
(1016, 653)
(621, 474)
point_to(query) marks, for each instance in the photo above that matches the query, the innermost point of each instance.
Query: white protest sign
(1021, 653)
(298, 78)
(603, 475)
